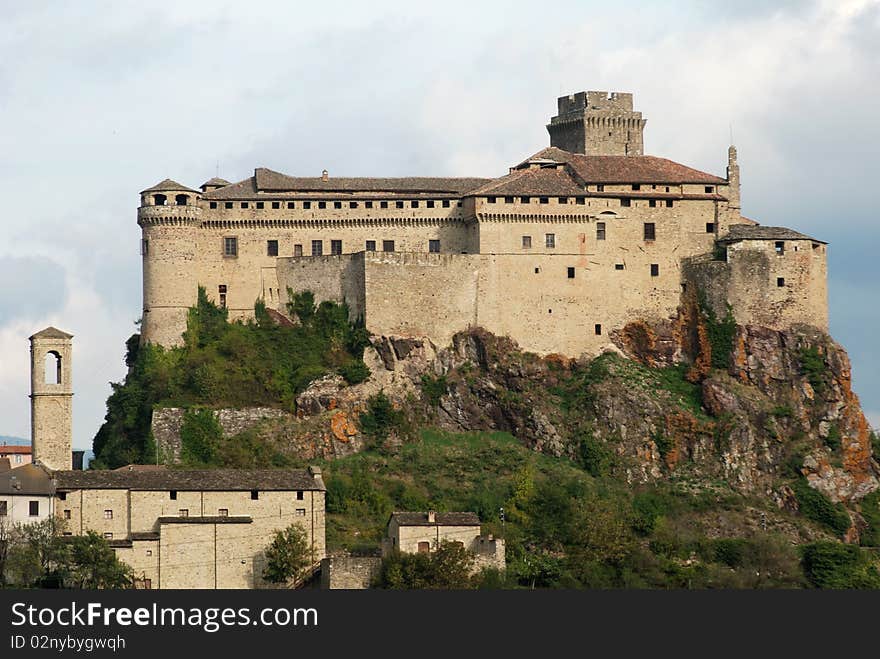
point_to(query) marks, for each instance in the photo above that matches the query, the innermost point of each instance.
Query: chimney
(325, 175)
(432, 517)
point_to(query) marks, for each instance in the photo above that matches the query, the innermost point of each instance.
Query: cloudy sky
(99, 100)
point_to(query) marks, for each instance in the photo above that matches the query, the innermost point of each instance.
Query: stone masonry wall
(349, 572)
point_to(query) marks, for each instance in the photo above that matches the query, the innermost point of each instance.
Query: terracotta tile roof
(440, 519)
(169, 186)
(9, 449)
(625, 169)
(759, 232)
(27, 479)
(52, 333)
(190, 480)
(267, 181)
(547, 181)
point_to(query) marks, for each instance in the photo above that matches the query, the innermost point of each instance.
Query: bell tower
(52, 399)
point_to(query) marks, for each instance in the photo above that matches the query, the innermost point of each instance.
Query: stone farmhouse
(570, 245)
(175, 528)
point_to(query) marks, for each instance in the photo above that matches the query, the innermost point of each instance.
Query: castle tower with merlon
(52, 398)
(598, 123)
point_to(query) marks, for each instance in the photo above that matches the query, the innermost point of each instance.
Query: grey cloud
(31, 286)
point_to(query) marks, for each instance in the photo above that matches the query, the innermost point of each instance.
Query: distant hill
(8, 439)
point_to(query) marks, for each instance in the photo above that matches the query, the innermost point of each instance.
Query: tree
(447, 568)
(35, 555)
(288, 556)
(91, 563)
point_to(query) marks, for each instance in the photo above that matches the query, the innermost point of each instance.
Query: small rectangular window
(276, 205)
(352, 204)
(618, 266)
(300, 512)
(669, 203)
(580, 201)
(490, 200)
(230, 246)
(524, 200)
(597, 329)
(149, 553)
(4, 508)
(636, 186)
(307, 205)
(626, 203)
(317, 247)
(221, 288)
(563, 200)
(429, 203)
(227, 204)
(446, 203)
(244, 204)
(183, 512)
(550, 240)
(508, 200)
(213, 204)
(398, 204)
(271, 248)
(537, 271)
(322, 204)
(414, 203)
(526, 242)
(300, 495)
(387, 245)
(710, 227)
(383, 204)
(297, 250)
(371, 246)
(34, 508)
(336, 247)
(709, 189)
(600, 188)
(173, 495)
(260, 205)
(545, 200)
(108, 514)
(650, 231)
(368, 204)
(223, 512)
(655, 269)
(652, 203)
(434, 246)
(66, 514)
(255, 494)
(337, 204)
(780, 281)
(779, 246)
(148, 583)
(570, 272)
(291, 204)
(600, 231)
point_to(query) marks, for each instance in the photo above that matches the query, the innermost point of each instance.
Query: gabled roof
(190, 480)
(625, 169)
(440, 519)
(267, 181)
(51, 333)
(759, 232)
(19, 449)
(29, 479)
(533, 181)
(169, 186)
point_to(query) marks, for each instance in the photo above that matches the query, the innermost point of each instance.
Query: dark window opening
(597, 329)
(387, 245)
(34, 508)
(223, 512)
(337, 204)
(307, 205)
(255, 494)
(625, 203)
(299, 495)
(52, 366)
(383, 204)
(508, 200)
(652, 203)
(650, 231)
(371, 246)
(669, 203)
(66, 514)
(4, 509)
(398, 204)
(244, 204)
(352, 204)
(563, 200)
(580, 201)
(429, 203)
(655, 269)
(537, 271)
(780, 247)
(526, 242)
(414, 204)
(317, 247)
(230, 246)
(636, 186)
(445, 203)
(424, 547)
(368, 204)
(260, 205)
(227, 204)
(221, 292)
(291, 204)
(600, 188)
(213, 204)
(780, 281)
(545, 200)
(145, 247)
(550, 240)
(159, 199)
(600, 231)
(173, 495)
(183, 512)
(490, 200)
(618, 266)
(297, 250)
(271, 248)
(709, 189)
(570, 272)
(276, 205)
(710, 227)
(336, 247)
(434, 246)
(322, 204)
(524, 200)
(62, 496)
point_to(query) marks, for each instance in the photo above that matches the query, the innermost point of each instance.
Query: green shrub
(380, 418)
(200, 432)
(594, 455)
(870, 536)
(434, 388)
(731, 551)
(817, 507)
(721, 333)
(663, 443)
(813, 367)
(355, 371)
(836, 565)
(833, 439)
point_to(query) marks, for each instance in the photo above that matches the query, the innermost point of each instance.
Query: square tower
(598, 124)
(52, 399)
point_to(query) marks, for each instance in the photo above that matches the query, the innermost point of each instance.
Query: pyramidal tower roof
(51, 333)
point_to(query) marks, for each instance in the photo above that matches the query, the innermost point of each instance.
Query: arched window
(159, 199)
(53, 367)
(181, 199)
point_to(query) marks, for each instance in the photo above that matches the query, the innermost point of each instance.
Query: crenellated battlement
(598, 123)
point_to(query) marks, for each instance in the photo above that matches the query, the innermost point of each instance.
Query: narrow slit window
(570, 271)
(550, 241)
(650, 231)
(597, 328)
(655, 269)
(271, 248)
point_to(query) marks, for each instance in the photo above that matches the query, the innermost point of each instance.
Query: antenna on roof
(217, 174)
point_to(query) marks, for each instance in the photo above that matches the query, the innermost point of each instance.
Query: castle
(569, 246)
